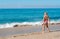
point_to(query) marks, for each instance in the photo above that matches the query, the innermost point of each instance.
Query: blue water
(27, 15)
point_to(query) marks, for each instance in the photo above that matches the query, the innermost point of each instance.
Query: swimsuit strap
(45, 18)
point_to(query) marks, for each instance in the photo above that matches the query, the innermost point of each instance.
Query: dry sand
(46, 35)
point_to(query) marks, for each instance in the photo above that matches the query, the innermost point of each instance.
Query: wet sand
(29, 32)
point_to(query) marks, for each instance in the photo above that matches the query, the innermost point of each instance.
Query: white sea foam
(8, 25)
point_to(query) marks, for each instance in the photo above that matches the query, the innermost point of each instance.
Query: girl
(45, 22)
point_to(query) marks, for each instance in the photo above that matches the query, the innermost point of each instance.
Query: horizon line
(26, 8)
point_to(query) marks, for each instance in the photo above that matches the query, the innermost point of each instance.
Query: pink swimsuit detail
(45, 19)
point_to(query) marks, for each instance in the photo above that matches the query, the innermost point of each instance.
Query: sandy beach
(30, 32)
(50, 35)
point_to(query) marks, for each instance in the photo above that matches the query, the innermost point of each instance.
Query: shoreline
(24, 25)
(27, 30)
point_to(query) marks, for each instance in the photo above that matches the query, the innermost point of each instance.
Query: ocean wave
(8, 25)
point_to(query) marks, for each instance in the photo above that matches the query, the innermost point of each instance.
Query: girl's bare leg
(47, 28)
(43, 28)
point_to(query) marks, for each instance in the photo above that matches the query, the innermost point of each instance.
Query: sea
(27, 16)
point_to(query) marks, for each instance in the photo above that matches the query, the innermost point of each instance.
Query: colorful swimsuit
(45, 19)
